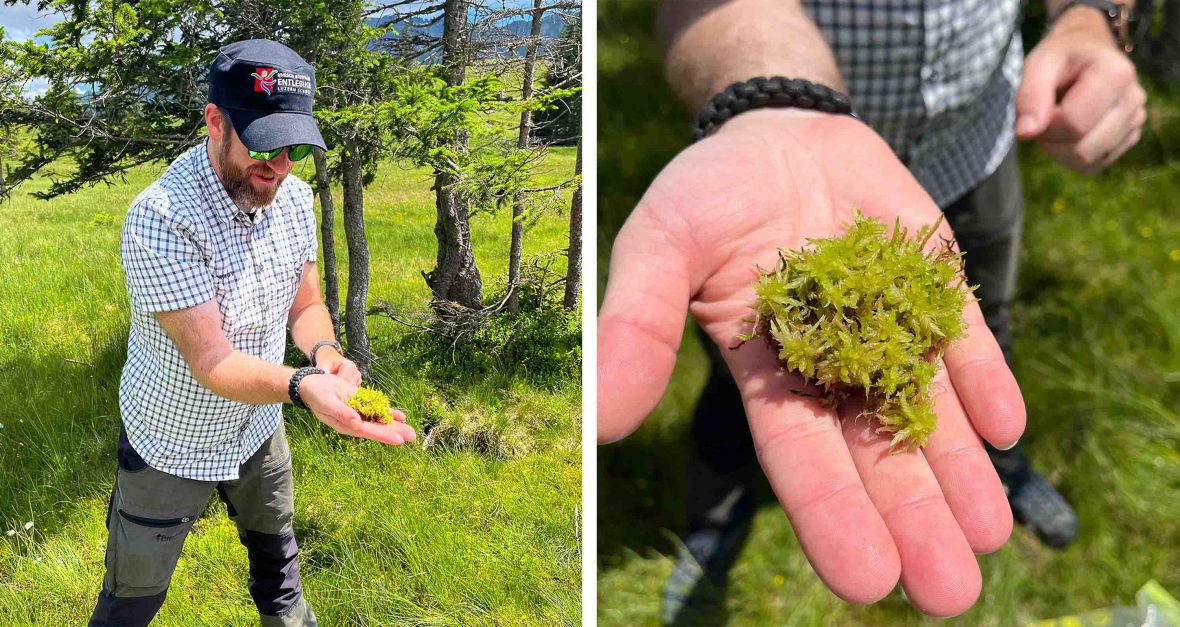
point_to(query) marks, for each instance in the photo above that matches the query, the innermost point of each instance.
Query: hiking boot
(1035, 504)
(694, 592)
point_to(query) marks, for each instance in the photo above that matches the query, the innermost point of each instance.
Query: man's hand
(770, 179)
(332, 362)
(326, 395)
(1101, 110)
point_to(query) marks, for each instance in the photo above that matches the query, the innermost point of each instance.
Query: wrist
(802, 121)
(325, 352)
(328, 356)
(761, 93)
(295, 385)
(1085, 20)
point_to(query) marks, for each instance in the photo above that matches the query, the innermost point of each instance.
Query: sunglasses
(294, 153)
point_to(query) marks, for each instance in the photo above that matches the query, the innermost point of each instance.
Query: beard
(238, 185)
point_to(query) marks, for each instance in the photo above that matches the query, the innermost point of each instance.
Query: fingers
(397, 415)
(640, 323)
(344, 420)
(938, 568)
(1102, 106)
(804, 455)
(350, 373)
(1037, 95)
(390, 433)
(984, 384)
(965, 473)
(1128, 143)
(1107, 140)
(1085, 104)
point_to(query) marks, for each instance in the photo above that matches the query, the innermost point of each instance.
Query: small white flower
(11, 532)
(28, 525)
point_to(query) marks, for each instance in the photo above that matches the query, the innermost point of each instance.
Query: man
(935, 88)
(219, 256)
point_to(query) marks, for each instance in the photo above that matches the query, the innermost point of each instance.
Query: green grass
(1097, 348)
(389, 535)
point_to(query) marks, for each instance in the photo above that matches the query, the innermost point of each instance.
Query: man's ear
(213, 118)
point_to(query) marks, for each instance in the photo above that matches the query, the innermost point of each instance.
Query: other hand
(1079, 97)
(332, 362)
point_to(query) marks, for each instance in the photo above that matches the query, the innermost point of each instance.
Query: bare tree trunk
(526, 118)
(1160, 55)
(573, 276)
(327, 239)
(358, 262)
(455, 277)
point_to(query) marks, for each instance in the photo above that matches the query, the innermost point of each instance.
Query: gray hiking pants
(151, 513)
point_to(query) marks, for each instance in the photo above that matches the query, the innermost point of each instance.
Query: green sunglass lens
(265, 156)
(298, 153)
(294, 153)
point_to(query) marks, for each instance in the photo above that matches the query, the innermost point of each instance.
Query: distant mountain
(405, 28)
(551, 27)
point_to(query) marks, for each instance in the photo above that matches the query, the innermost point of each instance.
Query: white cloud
(21, 22)
(35, 88)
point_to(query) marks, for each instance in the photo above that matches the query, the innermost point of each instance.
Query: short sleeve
(164, 267)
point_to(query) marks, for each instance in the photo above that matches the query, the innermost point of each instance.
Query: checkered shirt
(185, 243)
(936, 79)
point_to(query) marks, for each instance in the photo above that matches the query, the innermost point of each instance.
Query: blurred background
(1097, 355)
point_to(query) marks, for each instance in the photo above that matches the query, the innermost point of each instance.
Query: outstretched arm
(196, 332)
(770, 179)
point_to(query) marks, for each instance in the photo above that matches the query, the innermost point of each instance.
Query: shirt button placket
(242, 440)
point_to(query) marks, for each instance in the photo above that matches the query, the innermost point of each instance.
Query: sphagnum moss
(867, 312)
(371, 404)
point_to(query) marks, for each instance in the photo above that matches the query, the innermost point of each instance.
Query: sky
(21, 22)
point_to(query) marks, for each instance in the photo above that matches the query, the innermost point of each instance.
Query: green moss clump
(867, 312)
(371, 404)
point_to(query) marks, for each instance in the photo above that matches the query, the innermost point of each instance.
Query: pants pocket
(151, 513)
(146, 550)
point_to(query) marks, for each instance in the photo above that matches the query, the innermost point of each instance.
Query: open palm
(866, 518)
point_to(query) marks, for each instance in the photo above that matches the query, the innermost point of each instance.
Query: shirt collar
(219, 201)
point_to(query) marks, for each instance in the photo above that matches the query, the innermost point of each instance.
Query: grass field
(389, 535)
(1097, 347)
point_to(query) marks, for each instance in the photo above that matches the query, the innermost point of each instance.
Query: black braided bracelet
(293, 385)
(777, 91)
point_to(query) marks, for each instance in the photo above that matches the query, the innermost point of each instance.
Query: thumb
(1037, 94)
(639, 324)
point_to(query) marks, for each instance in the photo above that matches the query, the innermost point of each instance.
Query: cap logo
(264, 79)
(271, 81)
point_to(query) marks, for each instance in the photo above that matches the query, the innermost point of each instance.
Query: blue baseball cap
(267, 90)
